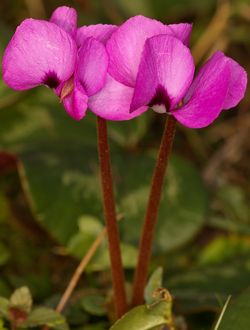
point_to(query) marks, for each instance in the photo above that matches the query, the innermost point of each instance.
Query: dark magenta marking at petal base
(51, 80)
(160, 98)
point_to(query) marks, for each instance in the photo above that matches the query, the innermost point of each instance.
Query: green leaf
(89, 229)
(236, 315)
(45, 316)
(21, 299)
(94, 304)
(101, 260)
(90, 224)
(155, 282)
(144, 317)
(183, 205)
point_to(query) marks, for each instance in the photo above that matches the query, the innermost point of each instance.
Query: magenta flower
(73, 62)
(150, 65)
(124, 48)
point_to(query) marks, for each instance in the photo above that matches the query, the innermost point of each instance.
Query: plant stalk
(150, 219)
(117, 272)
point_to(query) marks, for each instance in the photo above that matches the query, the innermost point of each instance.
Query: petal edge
(206, 95)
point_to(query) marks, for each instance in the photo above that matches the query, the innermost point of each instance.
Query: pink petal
(237, 85)
(165, 73)
(101, 32)
(66, 19)
(182, 31)
(92, 66)
(125, 47)
(205, 98)
(38, 53)
(76, 102)
(113, 102)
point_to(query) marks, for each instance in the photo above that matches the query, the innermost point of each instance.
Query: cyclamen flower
(73, 62)
(150, 65)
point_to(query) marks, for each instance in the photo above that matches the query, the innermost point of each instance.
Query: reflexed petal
(113, 102)
(182, 31)
(65, 18)
(101, 32)
(76, 102)
(237, 85)
(92, 66)
(38, 53)
(126, 45)
(205, 98)
(165, 73)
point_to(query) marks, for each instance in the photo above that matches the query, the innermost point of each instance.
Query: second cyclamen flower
(71, 61)
(150, 65)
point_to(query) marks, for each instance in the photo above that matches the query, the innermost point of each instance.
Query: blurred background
(50, 209)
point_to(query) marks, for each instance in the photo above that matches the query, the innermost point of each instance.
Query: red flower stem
(150, 220)
(117, 272)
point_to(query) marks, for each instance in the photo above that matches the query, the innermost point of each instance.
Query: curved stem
(150, 220)
(110, 219)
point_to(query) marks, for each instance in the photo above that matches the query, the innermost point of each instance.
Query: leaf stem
(150, 220)
(117, 272)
